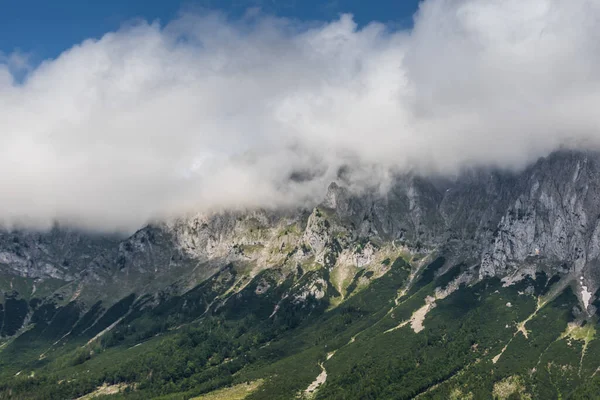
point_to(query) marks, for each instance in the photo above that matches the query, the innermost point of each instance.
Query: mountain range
(479, 285)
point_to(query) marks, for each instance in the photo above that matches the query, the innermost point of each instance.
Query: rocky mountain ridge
(503, 224)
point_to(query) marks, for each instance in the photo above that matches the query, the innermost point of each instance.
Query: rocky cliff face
(503, 224)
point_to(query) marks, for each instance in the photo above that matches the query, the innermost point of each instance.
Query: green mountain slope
(288, 334)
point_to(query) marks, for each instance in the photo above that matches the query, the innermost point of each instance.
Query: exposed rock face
(555, 215)
(547, 216)
(315, 287)
(59, 253)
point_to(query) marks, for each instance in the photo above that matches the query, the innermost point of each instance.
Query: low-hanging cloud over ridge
(203, 113)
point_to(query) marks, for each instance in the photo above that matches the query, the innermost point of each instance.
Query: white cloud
(206, 113)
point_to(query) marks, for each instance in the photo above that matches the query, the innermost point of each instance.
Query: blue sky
(43, 28)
